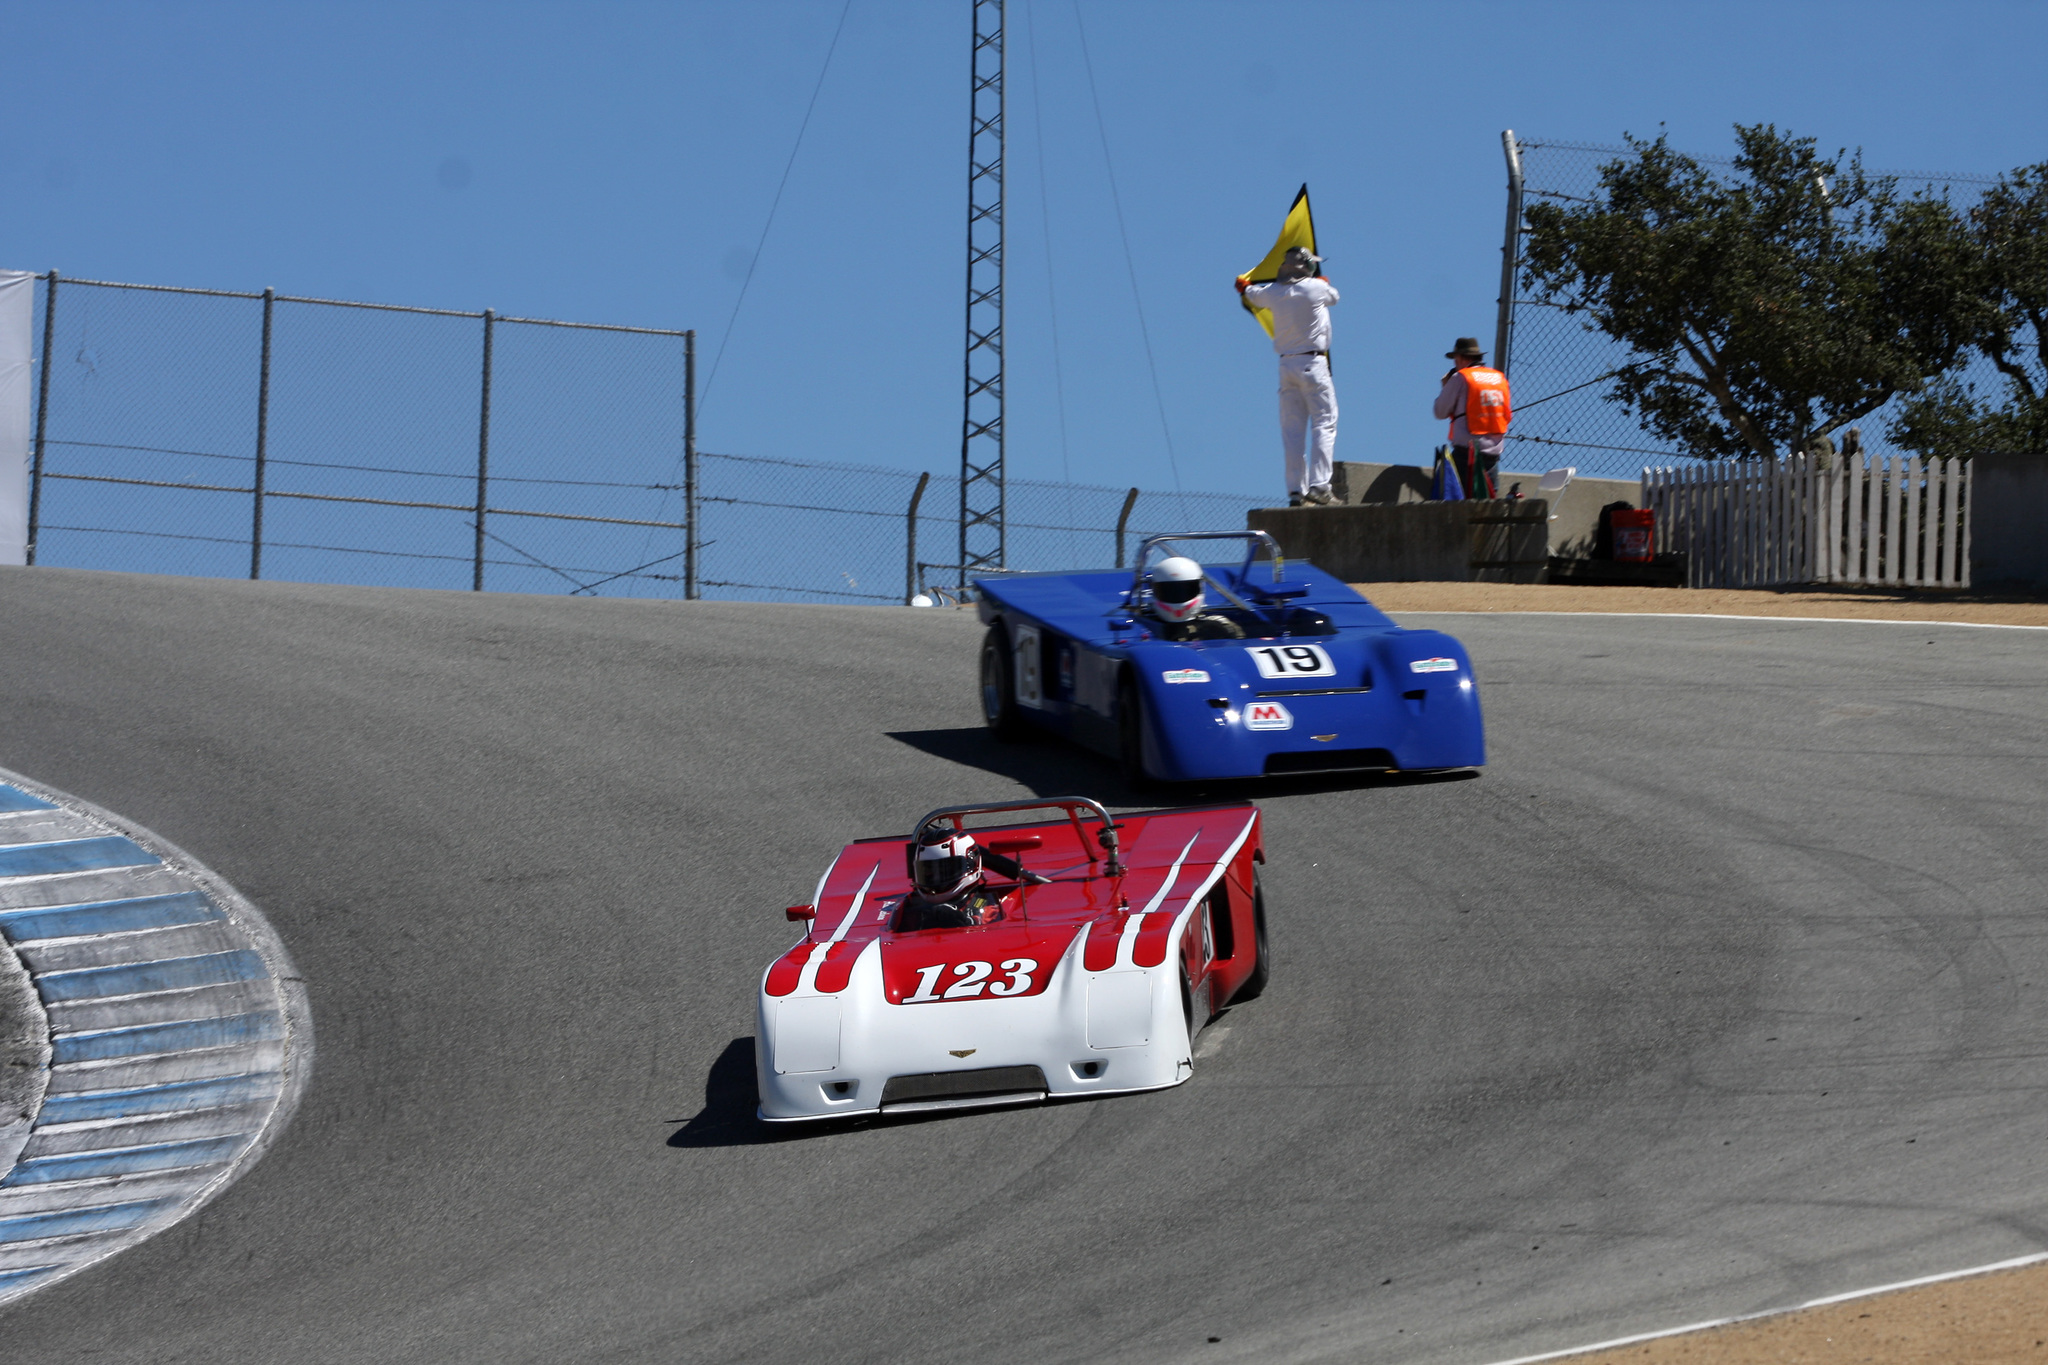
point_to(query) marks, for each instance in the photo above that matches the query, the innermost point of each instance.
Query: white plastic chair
(1553, 482)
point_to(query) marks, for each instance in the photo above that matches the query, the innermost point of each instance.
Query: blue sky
(616, 162)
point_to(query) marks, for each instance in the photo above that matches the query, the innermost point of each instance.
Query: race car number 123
(1292, 661)
(975, 976)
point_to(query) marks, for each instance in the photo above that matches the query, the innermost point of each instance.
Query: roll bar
(1253, 540)
(1072, 805)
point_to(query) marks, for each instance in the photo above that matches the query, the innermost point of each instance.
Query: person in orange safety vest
(1477, 402)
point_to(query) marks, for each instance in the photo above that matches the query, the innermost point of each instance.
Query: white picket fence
(1865, 519)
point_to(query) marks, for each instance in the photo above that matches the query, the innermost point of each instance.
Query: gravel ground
(1991, 1320)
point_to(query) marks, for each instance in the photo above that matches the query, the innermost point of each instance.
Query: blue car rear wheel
(998, 687)
(1130, 735)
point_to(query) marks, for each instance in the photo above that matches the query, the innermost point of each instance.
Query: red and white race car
(1093, 982)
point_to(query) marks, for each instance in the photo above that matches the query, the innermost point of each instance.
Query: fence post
(1915, 576)
(262, 439)
(1123, 519)
(690, 465)
(483, 455)
(1967, 483)
(1952, 533)
(1823, 563)
(910, 540)
(1510, 255)
(35, 483)
(1647, 491)
(1858, 504)
(1897, 520)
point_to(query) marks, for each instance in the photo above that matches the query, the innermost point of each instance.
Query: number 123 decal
(974, 977)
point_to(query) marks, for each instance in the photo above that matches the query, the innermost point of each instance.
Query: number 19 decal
(973, 977)
(1292, 661)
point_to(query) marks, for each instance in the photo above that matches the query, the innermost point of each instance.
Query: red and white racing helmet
(1176, 588)
(944, 863)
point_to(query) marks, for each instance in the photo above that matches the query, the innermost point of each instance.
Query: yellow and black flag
(1298, 230)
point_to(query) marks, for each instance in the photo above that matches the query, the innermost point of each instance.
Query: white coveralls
(1308, 400)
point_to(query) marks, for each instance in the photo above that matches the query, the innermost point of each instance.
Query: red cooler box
(1634, 533)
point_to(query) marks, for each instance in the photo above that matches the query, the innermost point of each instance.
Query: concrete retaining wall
(2009, 522)
(1574, 515)
(1497, 541)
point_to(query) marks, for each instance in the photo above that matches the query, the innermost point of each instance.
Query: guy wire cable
(774, 204)
(1052, 302)
(1130, 266)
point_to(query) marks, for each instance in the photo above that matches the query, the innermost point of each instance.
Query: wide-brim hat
(1465, 346)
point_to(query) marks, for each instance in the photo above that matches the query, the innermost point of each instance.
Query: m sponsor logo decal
(1185, 675)
(1437, 665)
(1268, 715)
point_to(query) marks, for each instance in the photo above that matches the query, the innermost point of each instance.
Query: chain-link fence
(1561, 364)
(243, 434)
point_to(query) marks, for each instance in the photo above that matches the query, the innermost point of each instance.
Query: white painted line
(2015, 1263)
(807, 978)
(1730, 616)
(1127, 946)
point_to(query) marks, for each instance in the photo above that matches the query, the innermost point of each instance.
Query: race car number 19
(1292, 661)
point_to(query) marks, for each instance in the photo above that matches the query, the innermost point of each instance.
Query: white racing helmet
(944, 863)
(1176, 588)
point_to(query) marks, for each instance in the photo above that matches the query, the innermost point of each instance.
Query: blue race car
(1320, 681)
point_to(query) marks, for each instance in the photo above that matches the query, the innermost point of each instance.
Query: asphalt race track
(1724, 987)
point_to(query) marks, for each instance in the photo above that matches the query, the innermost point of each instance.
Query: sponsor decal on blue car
(1436, 665)
(1185, 675)
(1268, 715)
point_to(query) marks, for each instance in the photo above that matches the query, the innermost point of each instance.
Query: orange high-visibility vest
(1487, 408)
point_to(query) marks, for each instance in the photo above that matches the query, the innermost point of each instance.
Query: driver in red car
(1176, 605)
(949, 873)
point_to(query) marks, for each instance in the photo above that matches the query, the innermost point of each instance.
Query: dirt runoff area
(1875, 604)
(1981, 1320)
(1990, 1319)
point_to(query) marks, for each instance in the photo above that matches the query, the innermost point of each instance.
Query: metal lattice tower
(982, 507)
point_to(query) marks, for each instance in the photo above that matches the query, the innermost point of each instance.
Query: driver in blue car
(1176, 605)
(949, 874)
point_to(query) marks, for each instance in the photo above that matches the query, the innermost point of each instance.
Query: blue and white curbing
(179, 1035)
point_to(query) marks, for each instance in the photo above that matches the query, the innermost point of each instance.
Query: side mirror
(801, 914)
(1016, 843)
(1108, 839)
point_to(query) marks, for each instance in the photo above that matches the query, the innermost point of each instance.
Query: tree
(1766, 307)
(2009, 229)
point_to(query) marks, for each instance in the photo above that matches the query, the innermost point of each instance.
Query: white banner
(17, 330)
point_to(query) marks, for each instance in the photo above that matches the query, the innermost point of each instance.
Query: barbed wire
(367, 462)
